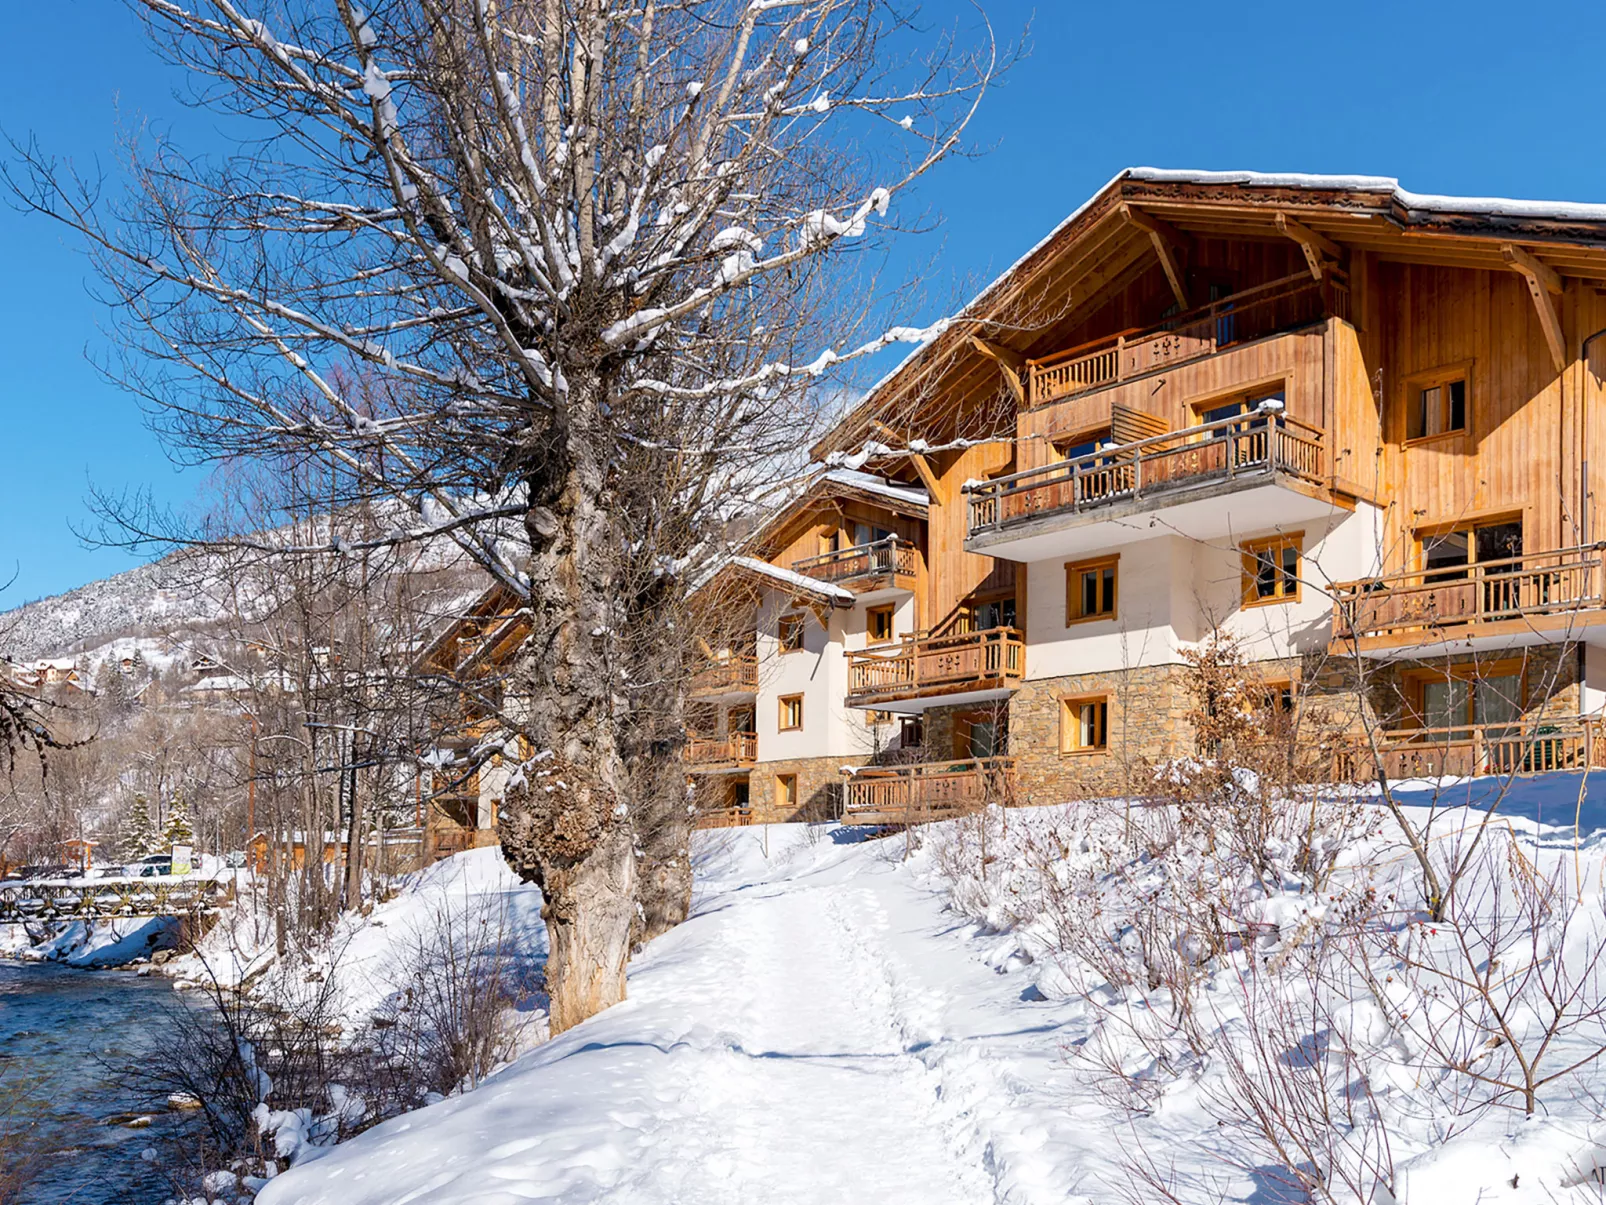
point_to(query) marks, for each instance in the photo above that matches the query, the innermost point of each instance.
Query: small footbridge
(109, 899)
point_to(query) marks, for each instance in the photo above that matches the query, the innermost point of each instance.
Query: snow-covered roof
(1560, 211)
(908, 494)
(1417, 204)
(797, 581)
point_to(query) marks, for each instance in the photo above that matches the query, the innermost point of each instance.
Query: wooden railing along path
(1535, 584)
(736, 749)
(105, 899)
(889, 558)
(1267, 309)
(1243, 447)
(1517, 747)
(924, 791)
(923, 664)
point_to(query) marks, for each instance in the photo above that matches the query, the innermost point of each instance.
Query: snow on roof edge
(876, 485)
(1494, 206)
(792, 578)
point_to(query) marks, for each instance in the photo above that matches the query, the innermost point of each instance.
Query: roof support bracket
(1318, 248)
(1170, 244)
(1543, 286)
(922, 466)
(1011, 363)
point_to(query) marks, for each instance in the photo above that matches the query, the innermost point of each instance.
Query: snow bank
(103, 944)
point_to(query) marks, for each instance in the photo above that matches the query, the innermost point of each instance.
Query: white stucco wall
(1172, 591)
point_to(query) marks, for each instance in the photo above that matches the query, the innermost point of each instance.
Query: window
(741, 721)
(1449, 703)
(791, 713)
(830, 542)
(865, 533)
(1085, 725)
(786, 791)
(791, 632)
(995, 613)
(1446, 554)
(911, 732)
(1271, 569)
(982, 734)
(878, 624)
(874, 719)
(1090, 590)
(1435, 406)
(1083, 444)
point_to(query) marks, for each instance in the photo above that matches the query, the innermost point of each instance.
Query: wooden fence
(924, 664)
(1535, 584)
(912, 794)
(1247, 446)
(1268, 309)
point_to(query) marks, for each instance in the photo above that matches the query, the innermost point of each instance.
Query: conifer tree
(177, 830)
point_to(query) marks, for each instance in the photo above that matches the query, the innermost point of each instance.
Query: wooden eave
(1098, 252)
(825, 496)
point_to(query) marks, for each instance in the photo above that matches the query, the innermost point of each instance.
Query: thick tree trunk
(589, 908)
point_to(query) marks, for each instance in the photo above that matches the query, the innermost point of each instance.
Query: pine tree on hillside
(177, 830)
(138, 835)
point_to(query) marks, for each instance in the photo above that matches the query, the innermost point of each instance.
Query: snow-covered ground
(838, 1022)
(821, 1030)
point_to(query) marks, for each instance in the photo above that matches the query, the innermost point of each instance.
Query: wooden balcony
(923, 666)
(1269, 309)
(728, 816)
(884, 563)
(732, 676)
(925, 791)
(1248, 450)
(1518, 747)
(1535, 598)
(736, 751)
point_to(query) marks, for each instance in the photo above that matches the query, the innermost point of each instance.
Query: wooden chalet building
(1355, 429)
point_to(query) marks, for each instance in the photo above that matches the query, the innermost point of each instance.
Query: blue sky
(1452, 99)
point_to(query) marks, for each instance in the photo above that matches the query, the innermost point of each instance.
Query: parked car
(151, 866)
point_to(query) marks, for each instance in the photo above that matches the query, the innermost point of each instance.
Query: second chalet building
(1355, 428)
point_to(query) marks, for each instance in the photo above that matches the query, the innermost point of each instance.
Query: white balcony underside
(918, 706)
(1223, 510)
(1581, 627)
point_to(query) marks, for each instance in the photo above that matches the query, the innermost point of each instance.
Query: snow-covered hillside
(153, 601)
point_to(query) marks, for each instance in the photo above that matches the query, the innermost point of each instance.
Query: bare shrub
(448, 1025)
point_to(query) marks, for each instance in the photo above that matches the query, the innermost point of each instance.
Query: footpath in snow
(821, 1031)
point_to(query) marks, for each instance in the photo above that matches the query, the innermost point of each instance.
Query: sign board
(181, 860)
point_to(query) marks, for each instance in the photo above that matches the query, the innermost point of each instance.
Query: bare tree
(558, 280)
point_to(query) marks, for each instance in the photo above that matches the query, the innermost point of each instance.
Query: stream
(58, 1026)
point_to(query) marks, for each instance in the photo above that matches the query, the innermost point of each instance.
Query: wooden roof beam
(922, 466)
(1009, 362)
(1317, 247)
(1170, 244)
(1543, 285)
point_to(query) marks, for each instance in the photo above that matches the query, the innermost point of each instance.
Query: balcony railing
(728, 816)
(1430, 601)
(1268, 309)
(736, 673)
(927, 790)
(740, 748)
(1516, 747)
(931, 665)
(1246, 447)
(890, 558)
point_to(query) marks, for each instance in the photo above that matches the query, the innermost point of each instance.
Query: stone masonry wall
(819, 788)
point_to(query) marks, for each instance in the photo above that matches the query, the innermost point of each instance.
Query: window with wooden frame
(790, 632)
(1090, 588)
(1271, 569)
(1447, 703)
(982, 734)
(1085, 724)
(875, 719)
(911, 732)
(1447, 554)
(791, 713)
(786, 791)
(1084, 443)
(878, 624)
(1437, 403)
